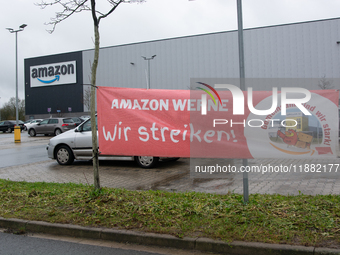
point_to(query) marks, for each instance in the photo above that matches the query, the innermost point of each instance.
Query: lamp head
(23, 26)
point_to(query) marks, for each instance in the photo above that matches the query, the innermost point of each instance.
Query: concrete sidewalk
(176, 176)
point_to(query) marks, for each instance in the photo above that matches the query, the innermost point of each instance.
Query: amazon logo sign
(53, 74)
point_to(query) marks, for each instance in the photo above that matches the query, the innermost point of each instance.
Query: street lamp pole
(11, 30)
(148, 59)
(242, 87)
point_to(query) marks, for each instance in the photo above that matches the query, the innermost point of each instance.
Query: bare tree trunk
(95, 152)
(69, 8)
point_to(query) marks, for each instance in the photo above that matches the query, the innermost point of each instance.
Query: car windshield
(87, 125)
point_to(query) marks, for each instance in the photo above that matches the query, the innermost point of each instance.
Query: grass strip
(301, 219)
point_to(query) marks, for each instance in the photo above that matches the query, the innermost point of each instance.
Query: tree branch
(115, 5)
(75, 6)
(69, 8)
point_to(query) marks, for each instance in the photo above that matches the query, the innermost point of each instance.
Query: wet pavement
(30, 150)
(305, 176)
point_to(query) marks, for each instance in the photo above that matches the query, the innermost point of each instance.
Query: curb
(199, 244)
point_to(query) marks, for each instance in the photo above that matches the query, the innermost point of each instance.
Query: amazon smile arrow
(50, 81)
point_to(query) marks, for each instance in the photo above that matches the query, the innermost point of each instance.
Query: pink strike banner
(169, 123)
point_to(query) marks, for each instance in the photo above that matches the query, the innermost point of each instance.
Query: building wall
(55, 97)
(304, 51)
(300, 50)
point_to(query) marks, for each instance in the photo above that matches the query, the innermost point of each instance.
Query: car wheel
(9, 130)
(64, 155)
(146, 162)
(32, 132)
(57, 132)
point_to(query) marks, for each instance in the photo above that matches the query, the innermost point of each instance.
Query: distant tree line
(8, 110)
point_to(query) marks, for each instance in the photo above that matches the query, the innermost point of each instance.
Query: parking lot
(170, 176)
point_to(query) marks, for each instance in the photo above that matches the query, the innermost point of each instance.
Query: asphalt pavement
(30, 150)
(29, 245)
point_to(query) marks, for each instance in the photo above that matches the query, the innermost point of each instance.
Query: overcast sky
(154, 19)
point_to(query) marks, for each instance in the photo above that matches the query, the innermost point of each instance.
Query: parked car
(30, 123)
(78, 120)
(8, 125)
(52, 126)
(77, 144)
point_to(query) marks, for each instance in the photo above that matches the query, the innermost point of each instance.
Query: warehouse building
(57, 84)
